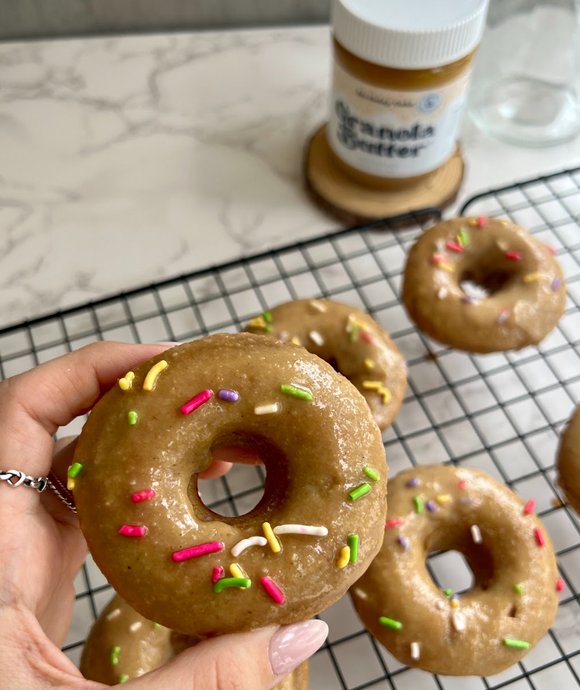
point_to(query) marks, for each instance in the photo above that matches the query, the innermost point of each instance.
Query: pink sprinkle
(462, 484)
(146, 495)
(133, 530)
(514, 256)
(393, 523)
(437, 259)
(551, 249)
(194, 551)
(363, 335)
(482, 221)
(539, 536)
(218, 573)
(194, 403)
(559, 585)
(454, 247)
(273, 590)
(529, 507)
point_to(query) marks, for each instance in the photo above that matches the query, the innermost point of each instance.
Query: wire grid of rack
(501, 412)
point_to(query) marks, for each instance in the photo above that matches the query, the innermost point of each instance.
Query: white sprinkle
(284, 336)
(241, 546)
(135, 626)
(316, 338)
(415, 651)
(318, 306)
(312, 531)
(267, 409)
(503, 245)
(113, 614)
(443, 292)
(440, 605)
(360, 593)
(476, 534)
(458, 621)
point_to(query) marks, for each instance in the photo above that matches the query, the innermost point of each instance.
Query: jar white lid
(409, 34)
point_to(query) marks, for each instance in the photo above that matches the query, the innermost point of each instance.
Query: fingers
(248, 661)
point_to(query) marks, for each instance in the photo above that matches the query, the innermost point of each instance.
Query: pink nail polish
(293, 644)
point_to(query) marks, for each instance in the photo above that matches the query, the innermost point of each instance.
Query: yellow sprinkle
(70, 483)
(257, 322)
(444, 498)
(344, 557)
(353, 321)
(473, 221)
(295, 341)
(372, 385)
(446, 267)
(532, 277)
(454, 603)
(152, 374)
(126, 382)
(369, 364)
(236, 571)
(271, 537)
(505, 223)
(377, 386)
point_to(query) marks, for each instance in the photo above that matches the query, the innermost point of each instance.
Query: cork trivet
(351, 203)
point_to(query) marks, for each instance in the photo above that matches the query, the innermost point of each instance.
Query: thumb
(256, 660)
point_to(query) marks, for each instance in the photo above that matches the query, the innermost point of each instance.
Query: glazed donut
(123, 645)
(527, 294)
(316, 529)
(513, 600)
(351, 341)
(569, 461)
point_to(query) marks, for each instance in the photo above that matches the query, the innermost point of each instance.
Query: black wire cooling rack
(501, 412)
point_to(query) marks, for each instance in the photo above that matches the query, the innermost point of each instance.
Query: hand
(42, 547)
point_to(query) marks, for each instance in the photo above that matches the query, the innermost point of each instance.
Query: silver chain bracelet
(16, 478)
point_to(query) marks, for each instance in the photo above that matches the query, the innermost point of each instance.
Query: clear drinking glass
(526, 84)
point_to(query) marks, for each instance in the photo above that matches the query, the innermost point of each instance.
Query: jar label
(394, 133)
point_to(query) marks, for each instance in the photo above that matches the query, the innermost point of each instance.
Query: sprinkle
(476, 534)
(443, 498)
(273, 590)
(443, 292)
(502, 318)
(153, 373)
(352, 331)
(195, 551)
(132, 530)
(415, 651)
(367, 337)
(227, 582)
(244, 544)
(377, 386)
(236, 571)
(196, 402)
(353, 546)
(272, 408)
(437, 259)
(403, 542)
(518, 589)
(466, 500)
(448, 592)
(447, 267)
(418, 501)
(531, 277)
(267, 316)
(114, 613)
(369, 364)
(317, 305)
(74, 470)
(372, 474)
(393, 523)
(431, 506)
(312, 531)
(556, 284)
(454, 603)
(390, 623)
(115, 655)
(482, 221)
(145, 495)
(360, 491)
(560, 585)
(257, 322)
(295, 341)
(463, 237)
(468, 299)
(413, 482)
(551, 249)
(156, 626)
(269, 534)
(296, 391)
(529, 507)
(516, 644)
(344, 558)
(458, 621)
(462, 484)
(228, 395)
(440, 605)
(70, 484)
(123, 678)
(132, 417)
(316, 338)
(539, 536)
(135, 626)
(513, 256)
(454, 247)
(217, 573)
(127, 381)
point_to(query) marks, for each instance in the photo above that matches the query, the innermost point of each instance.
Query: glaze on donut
(569, 461)
(513, 600)
(527, 294)
(351, 341)
(123, 645)
(316, 529)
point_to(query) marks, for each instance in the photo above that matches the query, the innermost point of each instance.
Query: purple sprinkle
(430, 506)
(466, 500)
(468, 299)
(230, 396)
(502, 318)
(455, 596)
(413, 482)
(556, 284)
(403, 542)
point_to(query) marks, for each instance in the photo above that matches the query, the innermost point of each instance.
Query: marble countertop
(127, 160)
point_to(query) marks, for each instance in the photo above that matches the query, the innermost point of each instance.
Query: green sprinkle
(227, 582)
(268, 328)
(296, 391)
(463, 237)
(517, 644)
(267, 316)
(353, 544)
(518, 589)
(353, 332)
(74, 470)
(156, 626)
(132, 416)
(115, 655)
(390, 623)
(372, 474)
(123, 679)
(418, 501)
(448, 592)
(360, 491)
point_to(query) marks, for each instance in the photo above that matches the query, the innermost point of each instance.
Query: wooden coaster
(351, 203)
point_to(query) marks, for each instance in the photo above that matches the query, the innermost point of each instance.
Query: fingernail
(293, 644)
(169, 343)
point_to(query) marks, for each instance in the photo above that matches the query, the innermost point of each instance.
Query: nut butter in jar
(400, 76)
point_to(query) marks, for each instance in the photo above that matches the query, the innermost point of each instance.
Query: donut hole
(455, 562)
(450, 570)
(480, 283)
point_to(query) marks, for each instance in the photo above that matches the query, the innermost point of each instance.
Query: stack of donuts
(309, 387)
